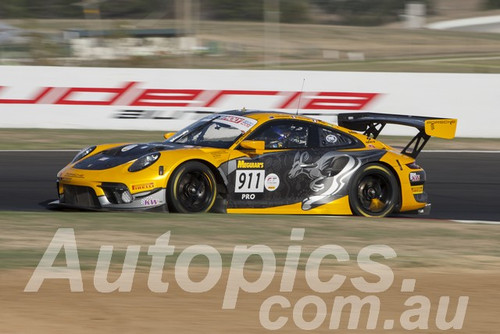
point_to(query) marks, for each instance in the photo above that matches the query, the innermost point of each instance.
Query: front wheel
(192, 188)
(374, 191)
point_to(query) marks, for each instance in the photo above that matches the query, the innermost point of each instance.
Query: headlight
(83, 153)
(143, 162)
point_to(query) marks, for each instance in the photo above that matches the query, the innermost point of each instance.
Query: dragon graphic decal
(329, 176)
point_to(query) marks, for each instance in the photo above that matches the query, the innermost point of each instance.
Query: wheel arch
(218, 176)
(396, 176)
(391, 170)
(221, 183)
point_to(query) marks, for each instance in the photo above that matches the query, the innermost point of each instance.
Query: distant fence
(168, 99)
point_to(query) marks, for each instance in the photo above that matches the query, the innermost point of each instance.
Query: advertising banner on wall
(169, 99)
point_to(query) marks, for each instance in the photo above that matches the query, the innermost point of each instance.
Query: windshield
(214, 131)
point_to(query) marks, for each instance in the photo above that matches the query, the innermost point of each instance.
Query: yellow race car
(259, 162)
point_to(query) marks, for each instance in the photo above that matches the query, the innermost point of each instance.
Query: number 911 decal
(249, 181)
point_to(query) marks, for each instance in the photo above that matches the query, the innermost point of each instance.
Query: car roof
(262, 115)
(246, 112)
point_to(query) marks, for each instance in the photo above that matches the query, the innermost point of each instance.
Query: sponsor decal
(370, 143)
(249, 164)
(143, 186)
(433, 122)
(150, 202)
(241, 123)
(332, 139)
(272, 182)
(414, 177)
(417, 190)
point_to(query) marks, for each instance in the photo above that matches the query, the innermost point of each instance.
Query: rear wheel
(191, 188)
(374, 191)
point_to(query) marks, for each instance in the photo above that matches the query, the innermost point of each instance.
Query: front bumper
(116, 196)
(426, 210)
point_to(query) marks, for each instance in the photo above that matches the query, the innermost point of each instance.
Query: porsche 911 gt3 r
(259, 162)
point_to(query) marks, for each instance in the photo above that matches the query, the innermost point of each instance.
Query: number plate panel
(250, 181)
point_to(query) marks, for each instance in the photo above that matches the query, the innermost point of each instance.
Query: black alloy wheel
(192, 188)
(374, 191)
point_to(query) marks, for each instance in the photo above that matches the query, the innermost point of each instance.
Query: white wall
(167, 99)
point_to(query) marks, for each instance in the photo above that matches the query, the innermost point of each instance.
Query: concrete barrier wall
(168, 99)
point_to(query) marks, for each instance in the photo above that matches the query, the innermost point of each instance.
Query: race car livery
(259, 162)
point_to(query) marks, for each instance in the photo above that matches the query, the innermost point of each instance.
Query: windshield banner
(241, 123)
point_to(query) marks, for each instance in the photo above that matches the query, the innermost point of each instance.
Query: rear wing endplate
(371, 124)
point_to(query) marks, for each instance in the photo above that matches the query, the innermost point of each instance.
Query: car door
(301, 163)
(263, 180)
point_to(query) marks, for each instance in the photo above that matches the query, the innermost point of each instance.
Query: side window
(283, 134)
(332, 138)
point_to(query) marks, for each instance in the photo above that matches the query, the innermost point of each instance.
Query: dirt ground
(434, 259)
(54, 309)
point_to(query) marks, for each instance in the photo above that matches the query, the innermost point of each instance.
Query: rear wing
(373, 123)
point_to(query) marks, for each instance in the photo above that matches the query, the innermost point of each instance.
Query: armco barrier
(168, 99)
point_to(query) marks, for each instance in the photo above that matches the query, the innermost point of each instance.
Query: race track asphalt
(461, 185)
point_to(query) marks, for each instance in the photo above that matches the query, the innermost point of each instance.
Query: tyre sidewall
(377, 169)
(190, 166)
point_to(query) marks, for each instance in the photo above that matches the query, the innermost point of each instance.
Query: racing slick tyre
(192, 188)
(374, 191)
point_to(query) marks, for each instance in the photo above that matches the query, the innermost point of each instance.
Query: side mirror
(254, 145)
(167, 135)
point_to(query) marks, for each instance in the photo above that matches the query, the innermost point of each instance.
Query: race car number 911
(250, 181)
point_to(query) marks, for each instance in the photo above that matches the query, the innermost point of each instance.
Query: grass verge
(417, 242)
